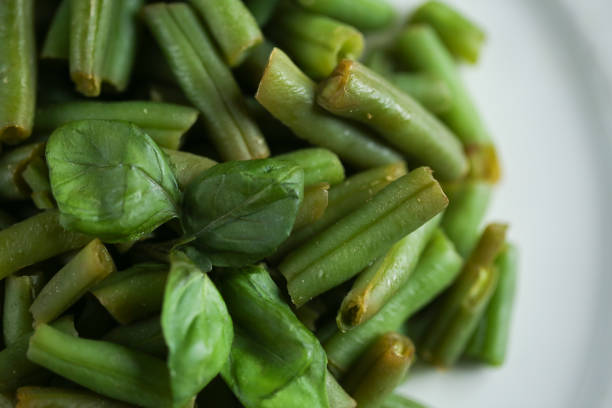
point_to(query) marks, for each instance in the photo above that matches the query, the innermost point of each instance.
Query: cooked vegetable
(319, 165)
(313, 205)
(144, 335)
(57, 41)
(49, 397)
(16, 317)
(366, 14)
(12, 165)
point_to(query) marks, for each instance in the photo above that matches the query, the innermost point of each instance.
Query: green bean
(145, 335)
(433, 93)
(381, 368)
(316, 43)
(187, 166)
(233, 27)
(461, 36)
(51, 397)
(12, 165)
(16, 317)
(108, 369)
(343, 199)
(365, 14)
(90, 31)
(134, 293)
(289, 95)
(206, 81)
(35, 239)
(379, 282)
(262, 10)
(463, 305)
(88, 267)
(356, 92)
(57, 41)
(379, 60)
(419, 47)
(337, 396)
(436, 270)
(15, 368)
(468, 206)
(344, 249)
(165, 123)
(398, 401)
(17, 70)
(36, 175)
(313, 205)
(490, 341)
(320, 165)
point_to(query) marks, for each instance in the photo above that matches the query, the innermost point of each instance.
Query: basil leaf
(241, 211)
(275, 360)
(110, 180)
(197, 329)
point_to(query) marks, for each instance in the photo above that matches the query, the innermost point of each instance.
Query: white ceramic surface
(541, 87)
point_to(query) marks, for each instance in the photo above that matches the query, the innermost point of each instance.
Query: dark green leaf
(275, 360)
(197, 329)
(110, 180)
(198, 258)
(241, 211)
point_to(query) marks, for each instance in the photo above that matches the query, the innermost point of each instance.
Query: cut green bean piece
(108, 369)
(376, 285)
(262, 10)
(430, 92)
(51, 397)
(342, 200)
(463, 218)
(206, 80)
(233, 27)
(337, 396)
(461, 36)
(418, 47)
(35, 239)
(344, 249)
(463, 305)
(319, 165)
(57, 41)
(17, 69)
(187, 166)
(365, 14)
(134, 293)
(92, 264)
(158, 120)
(381, 368)
(356, 92)
(275, 360)
(145, 335)
(436, 270)
(36, 175)
(16, 317)
(91, 25)
(398, 401)
(313, 205)
(490, 341)
(12, 165)
(316, 43)
(15, 368)
(289, 96)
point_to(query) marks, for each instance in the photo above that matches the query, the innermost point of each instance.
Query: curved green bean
(206, 80)
(35, 239)
(233, 27)
(436, 270)
(344, 249)
(315, 42)
(17, 70)
(319, 165)
(289, 95)
(134, 293)
(382, 367)
(88, 267)
(379, 282)
(462, 37)
(16, 317)
(433, 93)
(358, 93)
(366, 14)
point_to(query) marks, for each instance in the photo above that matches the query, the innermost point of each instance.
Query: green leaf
(275, 361)
(110, 180)
(241, 211)
(197, 328)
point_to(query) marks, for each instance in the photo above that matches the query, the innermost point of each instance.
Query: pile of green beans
(242, 203)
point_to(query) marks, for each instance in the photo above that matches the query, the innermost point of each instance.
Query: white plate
(545, 101)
